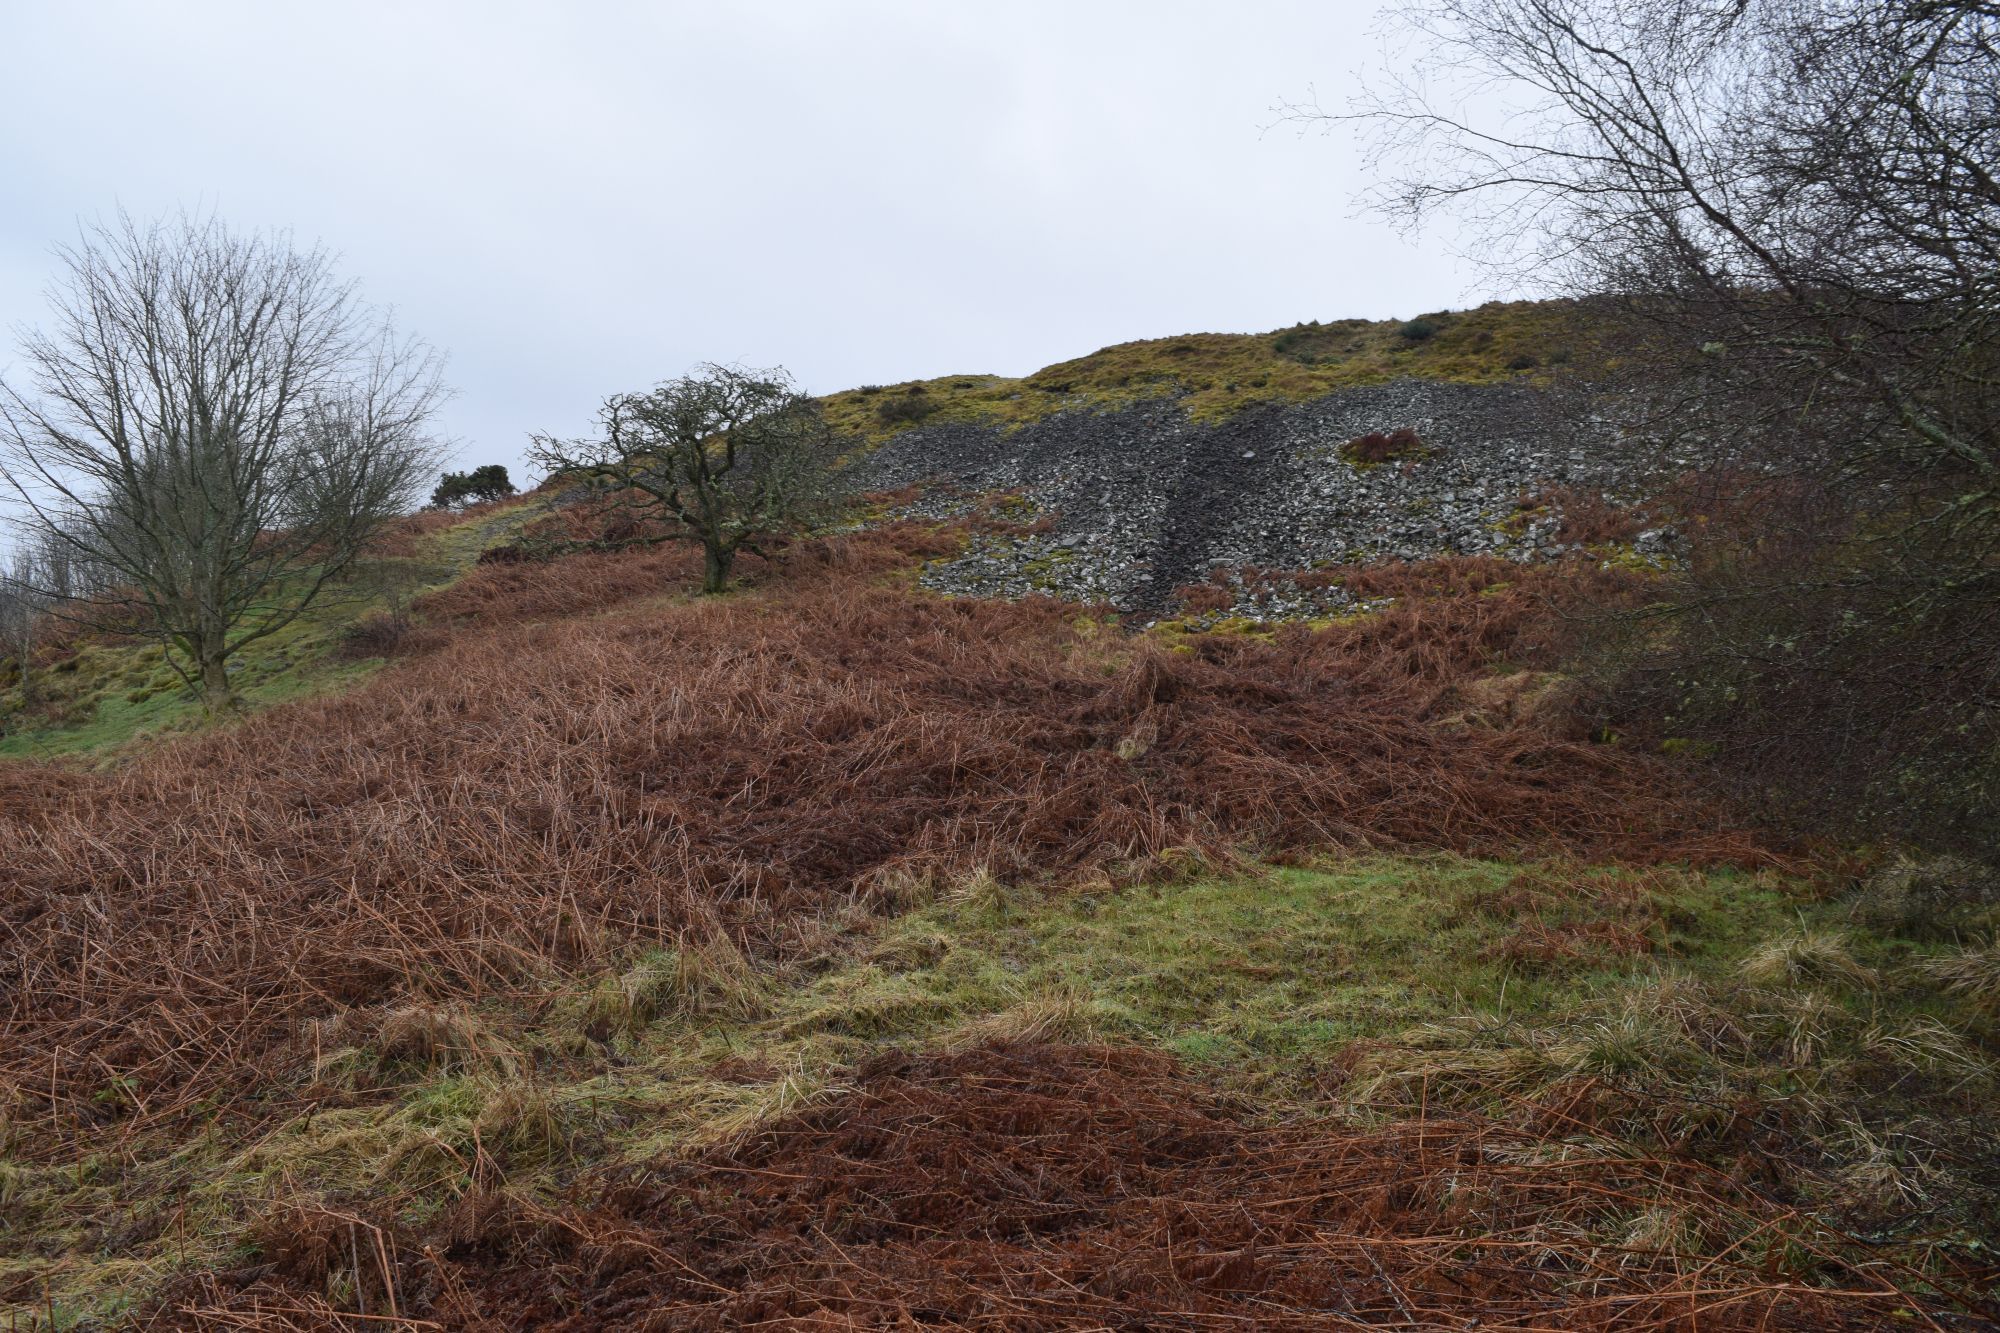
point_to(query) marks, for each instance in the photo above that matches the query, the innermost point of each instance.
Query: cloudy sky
(575, 199)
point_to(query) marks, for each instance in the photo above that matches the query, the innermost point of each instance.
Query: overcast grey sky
(575, 199)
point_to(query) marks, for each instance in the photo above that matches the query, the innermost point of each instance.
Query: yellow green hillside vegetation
(1216, 374)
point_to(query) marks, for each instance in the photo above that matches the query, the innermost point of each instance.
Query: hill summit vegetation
(1215, 374)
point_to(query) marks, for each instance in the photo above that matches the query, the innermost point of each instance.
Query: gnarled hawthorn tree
(727, 456)
(217, 425)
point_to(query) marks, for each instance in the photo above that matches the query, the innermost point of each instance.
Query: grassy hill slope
(97, 692)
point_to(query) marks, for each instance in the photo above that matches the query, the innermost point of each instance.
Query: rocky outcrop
(1143, 500)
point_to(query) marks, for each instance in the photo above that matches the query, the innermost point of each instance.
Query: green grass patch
(1262, 975)
(107, 693)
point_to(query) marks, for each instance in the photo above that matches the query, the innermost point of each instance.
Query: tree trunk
(716, 560)
(215, 691)
(30, 693)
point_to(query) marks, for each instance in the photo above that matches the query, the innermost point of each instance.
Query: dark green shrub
(906, 409)
(1417, 330)
(474, 487)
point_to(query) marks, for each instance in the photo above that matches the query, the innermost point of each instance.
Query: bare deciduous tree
(1805, 191)
(22, 605)
(217, 425)
(727, 456)
(1789, 211)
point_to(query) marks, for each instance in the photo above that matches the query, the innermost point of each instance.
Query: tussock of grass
(1925, 1044)
(1807, 958)
(426, 1038)
(713, 977)
(1972, 972)
(1662, 1230)
(894, 889)
(1062, 1015)
(979, 890)
(1884, 1170)
(526, 1120)
(788, 1094)
(1804, 1025)
(441, 1137)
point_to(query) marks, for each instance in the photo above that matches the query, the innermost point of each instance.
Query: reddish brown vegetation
(404, 536)
(1063, 1188)
(1256, 582)
(1194, 598)
(1383, 446)
(509, 592)
(511, 807)
(1589, 518)
(1577, 918)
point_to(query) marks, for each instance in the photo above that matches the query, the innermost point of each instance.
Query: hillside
(1215, 375)
(1178, 461)
(1263, 930)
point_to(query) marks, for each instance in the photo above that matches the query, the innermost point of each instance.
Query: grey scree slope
(1144, 499)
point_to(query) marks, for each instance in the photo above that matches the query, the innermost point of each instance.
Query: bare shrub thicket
(39, 577)
(23, 606)
(1784, 220)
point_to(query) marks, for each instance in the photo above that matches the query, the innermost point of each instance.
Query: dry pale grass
(1972, 971)
(1805, 958)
